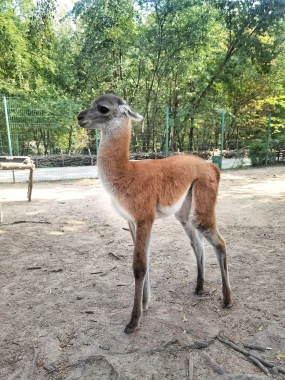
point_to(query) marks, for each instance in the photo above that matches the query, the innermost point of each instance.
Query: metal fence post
(167, 131)
(17, 146)
(267, 138)
(8, 132)
(7, 125)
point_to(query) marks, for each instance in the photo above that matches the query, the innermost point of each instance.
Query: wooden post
(26, 164)
(89, 151)
(30, 184)
(62, 158)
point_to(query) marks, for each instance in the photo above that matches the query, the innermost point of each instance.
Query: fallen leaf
(40, 363)
(279, 355)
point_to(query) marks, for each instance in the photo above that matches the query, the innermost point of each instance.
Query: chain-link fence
(47, 131)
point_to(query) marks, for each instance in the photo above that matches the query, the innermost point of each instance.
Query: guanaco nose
(81, 116)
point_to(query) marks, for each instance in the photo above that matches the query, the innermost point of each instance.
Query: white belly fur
(161, 211)
(164, 211)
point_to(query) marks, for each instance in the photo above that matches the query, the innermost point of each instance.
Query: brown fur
(142, 190)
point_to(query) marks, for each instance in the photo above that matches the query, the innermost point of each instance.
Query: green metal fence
(47, 131)
(41, 126)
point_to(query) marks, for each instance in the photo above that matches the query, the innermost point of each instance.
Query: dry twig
(249, 354)
(190, 374)
(116, 256)
(254, 347)
(192, 346)
(259, 365)
(281, 370)
(216, 368)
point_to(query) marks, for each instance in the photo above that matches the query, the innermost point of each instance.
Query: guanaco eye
(103, 109)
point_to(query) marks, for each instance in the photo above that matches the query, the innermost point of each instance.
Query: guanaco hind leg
(215, 239)
(197, 243)
(198, 223)
(203, 219)
(196, 239)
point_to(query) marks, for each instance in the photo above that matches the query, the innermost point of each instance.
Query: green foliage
(279, 143)
(41, 125)
(257, 154)
(196, 57)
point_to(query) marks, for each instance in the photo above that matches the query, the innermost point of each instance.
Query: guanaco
(141, 191)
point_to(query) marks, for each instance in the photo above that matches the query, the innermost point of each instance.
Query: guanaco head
(108, 112)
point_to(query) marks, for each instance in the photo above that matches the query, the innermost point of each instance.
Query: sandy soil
(67, 286)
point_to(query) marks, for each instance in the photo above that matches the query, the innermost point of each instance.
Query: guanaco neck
(113, 158)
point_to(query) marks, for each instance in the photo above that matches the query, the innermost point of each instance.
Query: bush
(257, 154)
(278, 144)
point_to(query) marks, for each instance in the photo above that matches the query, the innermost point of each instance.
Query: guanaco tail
(141, 191)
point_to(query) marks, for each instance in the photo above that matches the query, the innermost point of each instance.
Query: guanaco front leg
(196, 239)
(140, 268)
(146, 287)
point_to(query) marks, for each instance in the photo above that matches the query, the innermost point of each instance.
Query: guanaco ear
(133, 115)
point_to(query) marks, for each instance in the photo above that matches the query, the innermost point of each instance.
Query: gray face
(103, 110)
(106, 112)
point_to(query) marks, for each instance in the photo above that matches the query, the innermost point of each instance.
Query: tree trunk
(70, 139)
(191, 134)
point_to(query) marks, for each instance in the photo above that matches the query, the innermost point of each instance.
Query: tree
(107, 34)
(14, 58)
(196, 57)
(246, 23)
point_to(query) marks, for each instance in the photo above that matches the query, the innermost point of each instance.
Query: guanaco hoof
(129, 329)
(228, 305)
(200, 292)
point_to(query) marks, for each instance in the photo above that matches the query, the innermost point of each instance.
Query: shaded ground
(65, 296)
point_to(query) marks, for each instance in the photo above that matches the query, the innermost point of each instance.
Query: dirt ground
(67, 286)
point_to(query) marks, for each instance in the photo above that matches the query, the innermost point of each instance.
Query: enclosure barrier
(46, 130)
(19, 163)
